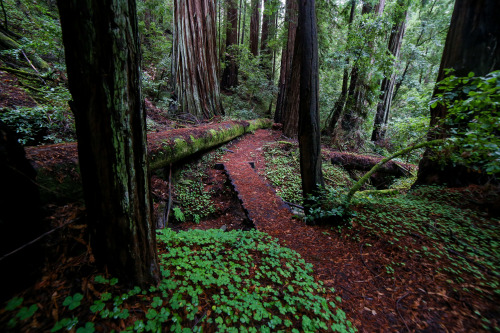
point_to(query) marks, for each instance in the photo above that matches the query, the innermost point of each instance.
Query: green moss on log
(61, 182)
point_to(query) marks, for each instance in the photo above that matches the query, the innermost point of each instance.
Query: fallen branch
(365, 178)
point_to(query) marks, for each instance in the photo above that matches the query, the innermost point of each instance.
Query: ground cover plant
(212, 280)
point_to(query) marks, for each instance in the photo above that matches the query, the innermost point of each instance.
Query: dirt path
(331, 259)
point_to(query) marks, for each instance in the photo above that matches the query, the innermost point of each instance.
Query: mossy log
(7, 43)
(57, 165)
(351, 161)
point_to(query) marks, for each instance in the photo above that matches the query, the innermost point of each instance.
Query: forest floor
(424, 261)
(388, 281)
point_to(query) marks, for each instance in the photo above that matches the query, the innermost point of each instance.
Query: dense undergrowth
(211, 280)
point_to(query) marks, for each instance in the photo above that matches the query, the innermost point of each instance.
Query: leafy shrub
(473, 106)
(40, 124)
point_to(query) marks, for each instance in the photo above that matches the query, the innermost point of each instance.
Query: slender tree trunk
(287, 111)
(306, 52)
(254, 27)
(243, 25)
(356, 108)
(472, 45)
(103, 59)
(339, 104)
(267, 34)
(230, 74)
(387, 87)
(195, 61)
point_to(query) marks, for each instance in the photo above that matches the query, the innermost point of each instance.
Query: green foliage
(473, 116)
(228, 281)
(196, 203)
(282, 170)
(72, 302)
(329, 204)
(252, 97)
(38, 23)
(39, 124)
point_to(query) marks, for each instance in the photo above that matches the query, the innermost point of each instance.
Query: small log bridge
(351, 161)
(58, 175)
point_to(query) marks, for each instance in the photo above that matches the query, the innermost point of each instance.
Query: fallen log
(57, 169)
(7, 43)
(351, 161)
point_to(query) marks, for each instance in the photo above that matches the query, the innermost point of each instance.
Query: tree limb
(363, 179)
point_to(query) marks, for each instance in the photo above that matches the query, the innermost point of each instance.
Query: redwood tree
(306, 52)
(195, 64)
(230, 75)
(472, 45)
(268, 30)
(254, 27)
(102, 50)
(289, 117)
(387, 87)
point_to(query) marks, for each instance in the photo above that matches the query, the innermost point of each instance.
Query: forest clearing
(249, 166)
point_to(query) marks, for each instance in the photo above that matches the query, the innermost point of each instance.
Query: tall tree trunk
(472, 45)
(230, 74)
(340, 102)
(103, 59)
(268, 30)
(195, 58)
(243, 24)
(254, 27)
(356, 108)
(306, 52)
(287, 111)
(387, 87)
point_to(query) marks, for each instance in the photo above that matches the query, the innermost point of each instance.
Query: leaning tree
(472, 45)
(102, 50)
(195, 65)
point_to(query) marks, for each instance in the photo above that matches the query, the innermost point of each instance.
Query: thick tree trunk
(472, 45)
(281, 114)
(195, 58)
(387, 87)
(20, 217)
(254, 27)
(306, 52)
(103, 59)
(230, 74)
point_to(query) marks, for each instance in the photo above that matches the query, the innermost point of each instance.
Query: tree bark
(195, 58)
(254, 27)
(472, 45)
(103, 60)
(387, 86)
(268, 30)
(230, 73)
(306, 52)
(281, 114)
